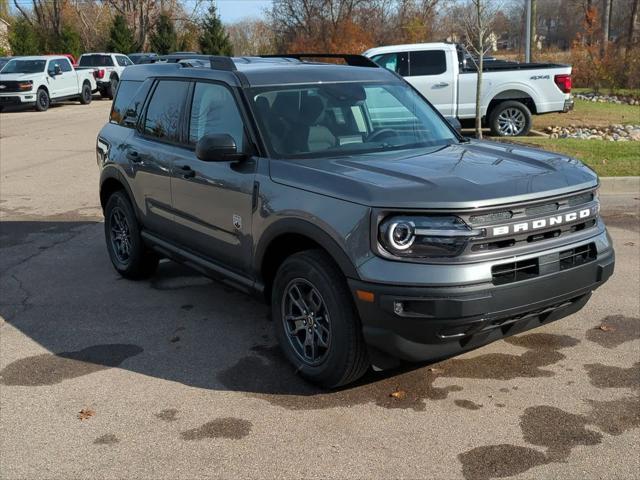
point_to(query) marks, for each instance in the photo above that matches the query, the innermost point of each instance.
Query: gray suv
(339, 195)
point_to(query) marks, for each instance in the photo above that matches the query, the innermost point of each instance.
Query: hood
(4, 77)
(467, 175)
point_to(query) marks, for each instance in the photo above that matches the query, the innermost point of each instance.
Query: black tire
(105, 93)
(510, 119)
(120, 222)
(112, 88)
(344, 357)
(42, 100)
(85, 94)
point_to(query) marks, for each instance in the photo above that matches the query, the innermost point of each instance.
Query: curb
(610, 185)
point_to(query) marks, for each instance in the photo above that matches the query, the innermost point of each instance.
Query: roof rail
(349, 58)
(217, 62)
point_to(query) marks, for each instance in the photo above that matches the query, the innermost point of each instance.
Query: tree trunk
(606, 13)
(480, 65)
(631, 32)
(533, 32)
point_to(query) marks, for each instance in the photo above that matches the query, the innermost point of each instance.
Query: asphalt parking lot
(180, 377)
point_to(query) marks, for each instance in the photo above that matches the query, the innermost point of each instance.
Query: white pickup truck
(511, 92)
(39, 81)
(107, 69)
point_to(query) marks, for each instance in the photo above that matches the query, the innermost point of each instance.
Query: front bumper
(420, 323)
(28, 98)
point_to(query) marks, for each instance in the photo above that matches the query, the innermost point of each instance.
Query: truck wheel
(85, 94)
(42, 100)
(316, 322)
(128, 253)
(510, 119)
(113, 86)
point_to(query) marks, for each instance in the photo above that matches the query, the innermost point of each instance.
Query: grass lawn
(608, 159)
(590, 114)
(607, 91)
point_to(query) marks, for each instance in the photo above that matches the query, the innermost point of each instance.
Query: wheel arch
(515, 93)
(289, 236)
(111, 181)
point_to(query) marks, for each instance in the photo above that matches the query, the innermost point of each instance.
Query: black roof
(261, 71)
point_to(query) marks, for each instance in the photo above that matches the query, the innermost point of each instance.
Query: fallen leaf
(398, 394)
(86, 413)
(606, 328)
(630, 244)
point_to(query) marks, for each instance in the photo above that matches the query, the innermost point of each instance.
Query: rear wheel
(316, 321)
(85, 94)
(129, 255)
(510, 119)
(42, 100)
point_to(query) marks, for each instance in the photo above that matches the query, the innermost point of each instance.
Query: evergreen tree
(164, 38)
(23, 38)
(121, 37)
(69, 41)
(214, 40)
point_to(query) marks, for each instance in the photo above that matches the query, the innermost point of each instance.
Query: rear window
(430, 62)
(127, 106)
(96, 61)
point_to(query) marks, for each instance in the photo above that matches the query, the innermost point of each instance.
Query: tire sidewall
(85, 95)
(42, 93)
(495, 130)
(341, 318)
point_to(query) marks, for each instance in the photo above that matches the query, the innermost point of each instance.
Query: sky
(233, 10)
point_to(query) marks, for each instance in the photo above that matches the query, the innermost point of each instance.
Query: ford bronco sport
(342, 197)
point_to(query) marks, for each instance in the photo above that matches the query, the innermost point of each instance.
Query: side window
(52, 66)
(163, 114)
(123, 61)
(65, 65)
(214, 110)
(127, 106)
(396, 62)
(430, 62)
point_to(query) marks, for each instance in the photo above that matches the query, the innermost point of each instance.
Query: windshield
(338, 119)
(96, 61)
(24, 66)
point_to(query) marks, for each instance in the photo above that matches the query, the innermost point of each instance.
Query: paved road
(179, 377)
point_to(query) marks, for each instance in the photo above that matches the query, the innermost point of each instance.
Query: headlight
(425, 236)
(25, 86)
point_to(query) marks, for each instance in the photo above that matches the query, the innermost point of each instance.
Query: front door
(66, 83)
(212, 201)
(433, 78)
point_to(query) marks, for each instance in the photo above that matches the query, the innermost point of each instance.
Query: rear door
(431, 73)
(212, 201)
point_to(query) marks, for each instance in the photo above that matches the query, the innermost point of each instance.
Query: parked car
(41, 80)
(345, 200)
(512, 92)
(107, 68)
(142, 58)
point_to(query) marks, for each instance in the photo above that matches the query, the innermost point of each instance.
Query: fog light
(398, 308)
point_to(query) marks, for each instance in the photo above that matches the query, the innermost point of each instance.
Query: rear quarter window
(127, 106)
(96, 61)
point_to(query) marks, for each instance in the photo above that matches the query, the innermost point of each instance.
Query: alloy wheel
(120, 235)
(511, 122)
(306, 321)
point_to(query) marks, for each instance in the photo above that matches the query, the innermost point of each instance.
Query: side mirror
(455, 123)
(218, 147)
(57, 70)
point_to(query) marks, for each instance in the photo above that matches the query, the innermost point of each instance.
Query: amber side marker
(365, 296)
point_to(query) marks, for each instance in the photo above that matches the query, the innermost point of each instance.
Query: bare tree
(606, 14)
(478, 17)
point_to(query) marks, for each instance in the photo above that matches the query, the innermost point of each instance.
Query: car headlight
(25, 86)
(425, 236)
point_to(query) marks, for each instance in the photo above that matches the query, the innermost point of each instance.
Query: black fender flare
(111, 172)
(303, 227)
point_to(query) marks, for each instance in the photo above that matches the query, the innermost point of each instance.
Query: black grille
(9, 86)
(515, 271)
(575, 257)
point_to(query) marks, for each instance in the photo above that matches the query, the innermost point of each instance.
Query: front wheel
(85, 94)
(42, 100)
(510, 119)
(129, 255)
(316, 322)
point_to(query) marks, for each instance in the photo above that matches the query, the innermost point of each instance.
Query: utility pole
(532, 28)
(527, 32)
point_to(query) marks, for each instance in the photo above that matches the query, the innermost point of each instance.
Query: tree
(23, 38)
(68, 41)
(121, 37)
(164, 39)
(478, 17)
(214, 40)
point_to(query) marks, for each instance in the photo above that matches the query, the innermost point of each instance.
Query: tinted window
(123, 61)
(163, 115)
(433, 62)
(396, 62)
(214, 110)
(127, 106)
(96, 61)
(65, 65)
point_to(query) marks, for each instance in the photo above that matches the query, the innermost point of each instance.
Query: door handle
(187, 171)
(134, 156)
(441, 84)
